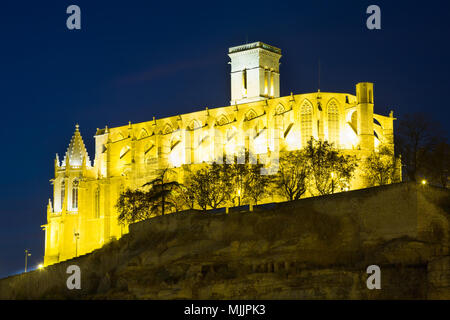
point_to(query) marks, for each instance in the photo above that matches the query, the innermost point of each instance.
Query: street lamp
(77, 236)
(332, 181)
(40, 266)
(239, 196)
(27, 254)
(424, 182)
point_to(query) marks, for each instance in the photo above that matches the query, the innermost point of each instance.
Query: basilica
(82, 216)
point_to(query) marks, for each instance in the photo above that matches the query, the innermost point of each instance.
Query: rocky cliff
(316, 248)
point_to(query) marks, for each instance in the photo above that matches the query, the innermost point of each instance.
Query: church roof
(76, 150)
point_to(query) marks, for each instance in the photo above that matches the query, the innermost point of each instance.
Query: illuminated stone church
(82, 216)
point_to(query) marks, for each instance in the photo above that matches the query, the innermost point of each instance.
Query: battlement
(254, 45)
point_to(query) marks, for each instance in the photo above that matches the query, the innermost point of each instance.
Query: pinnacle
(76, 150)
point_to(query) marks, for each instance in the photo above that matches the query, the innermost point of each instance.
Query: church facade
(82, 215)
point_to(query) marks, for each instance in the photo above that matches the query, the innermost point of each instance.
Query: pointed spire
(76, 150)
(49, 206)
(292, 97)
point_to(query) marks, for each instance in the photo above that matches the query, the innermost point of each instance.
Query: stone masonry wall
(315, 248)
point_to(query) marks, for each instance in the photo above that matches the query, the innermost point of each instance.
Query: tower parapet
(255, 73)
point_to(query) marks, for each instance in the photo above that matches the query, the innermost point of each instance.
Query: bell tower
(255, 73)
(364, 96)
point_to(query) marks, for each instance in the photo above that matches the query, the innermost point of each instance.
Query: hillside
(315, 248)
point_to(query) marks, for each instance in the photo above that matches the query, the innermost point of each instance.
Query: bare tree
(437, 165)
(414, 141)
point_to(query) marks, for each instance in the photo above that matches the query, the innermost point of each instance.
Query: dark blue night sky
(133, 60)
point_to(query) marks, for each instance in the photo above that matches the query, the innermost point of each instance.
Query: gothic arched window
(75, 194)
(63, 193)
(333, 123)
(280, 109)
(167, 129)
(97, 203)
(306, 122)
(119, 137)
(194, 124)
(244, 82)
(222, 120)
(143, 134)
(250, 115)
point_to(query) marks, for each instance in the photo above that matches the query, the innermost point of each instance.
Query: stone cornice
(255, 45)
